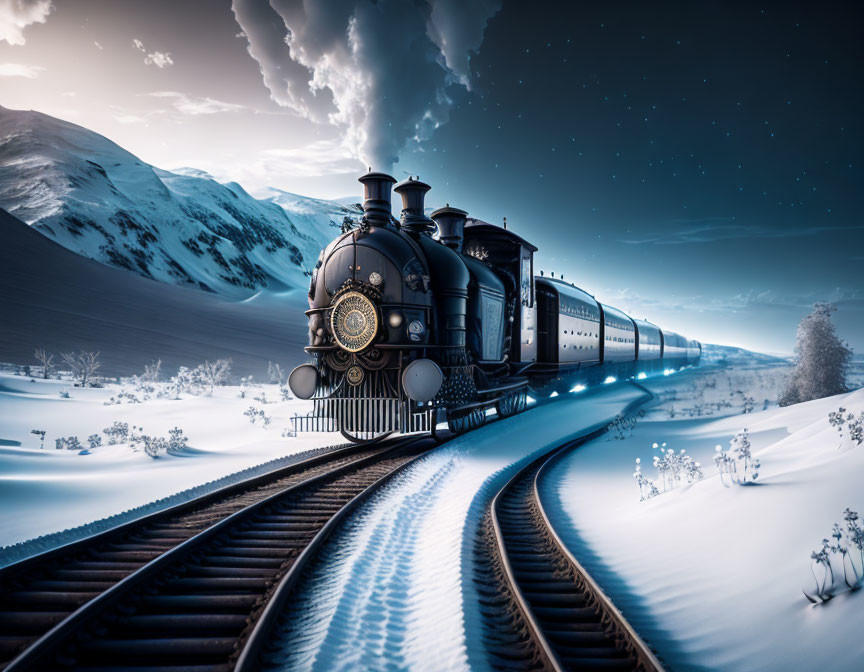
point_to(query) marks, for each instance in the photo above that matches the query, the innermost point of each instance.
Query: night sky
(698, 164)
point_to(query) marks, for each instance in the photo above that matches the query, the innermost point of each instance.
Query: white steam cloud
(16, 15)
(378, 69)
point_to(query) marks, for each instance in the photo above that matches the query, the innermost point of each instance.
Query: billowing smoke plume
(379, 69)
(16, 15)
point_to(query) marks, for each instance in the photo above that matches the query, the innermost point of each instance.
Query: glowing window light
(642, 376)
(610, 379)
(554, 394)
(668, 372)
(530, 400)
(578, 388)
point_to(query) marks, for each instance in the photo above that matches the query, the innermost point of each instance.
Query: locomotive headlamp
(354, 321)
(394, 319)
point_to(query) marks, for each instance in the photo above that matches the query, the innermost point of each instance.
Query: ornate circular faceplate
(354, 321)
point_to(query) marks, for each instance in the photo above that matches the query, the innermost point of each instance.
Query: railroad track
(180, 589)
(543, 610)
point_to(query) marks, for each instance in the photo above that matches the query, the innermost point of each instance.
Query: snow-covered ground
(393, 589)
(45, 491)
(709, 575)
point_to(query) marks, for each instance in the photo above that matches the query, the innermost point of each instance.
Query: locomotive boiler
(423, 320)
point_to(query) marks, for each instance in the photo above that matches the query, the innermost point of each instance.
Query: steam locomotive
(419, 321)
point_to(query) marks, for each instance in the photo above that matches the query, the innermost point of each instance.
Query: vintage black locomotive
(418, 321)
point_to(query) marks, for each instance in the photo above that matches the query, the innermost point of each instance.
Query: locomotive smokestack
(451, 224)
(414, 219)
(376, 198)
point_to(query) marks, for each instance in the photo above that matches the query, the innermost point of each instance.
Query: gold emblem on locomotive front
(354, 375)
(354, 322)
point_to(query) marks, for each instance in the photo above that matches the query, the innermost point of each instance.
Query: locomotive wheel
(365, 442)
(511, 404)
(459, 423)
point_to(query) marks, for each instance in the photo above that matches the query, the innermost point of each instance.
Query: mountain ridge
(95, 198)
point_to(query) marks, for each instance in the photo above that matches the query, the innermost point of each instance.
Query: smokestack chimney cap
(376, 198)
(413, 193)
(451, 226)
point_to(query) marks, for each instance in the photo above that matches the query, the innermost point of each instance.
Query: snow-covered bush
(672, 469)
(254, 414)
(737, 466)
(822, 359)
(647, 488)
(177, 440)
(621, 427)
(245, 384)
(94, 440)
(846, 549)
(122, 397)
(41, 434)
(154, 446)
(843, 421)
(262, 399)
(64, 394)
(69, 443)
(117, 433)
(83, 365)
(285, 393)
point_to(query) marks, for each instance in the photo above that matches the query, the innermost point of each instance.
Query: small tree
(152, 371)
(46, 361)
(822, 359)
(83, 365)
(215, 373)
(277, 375)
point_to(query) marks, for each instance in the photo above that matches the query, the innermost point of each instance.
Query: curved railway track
(181, 586)
(543, 610)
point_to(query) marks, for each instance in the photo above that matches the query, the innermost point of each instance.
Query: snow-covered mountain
(95, 198)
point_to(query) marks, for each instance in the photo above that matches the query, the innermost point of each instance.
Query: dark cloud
(380, 70)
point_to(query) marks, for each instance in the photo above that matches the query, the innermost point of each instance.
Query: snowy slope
(96, 199)
(46, 491)
(713, 576)
(55, 299)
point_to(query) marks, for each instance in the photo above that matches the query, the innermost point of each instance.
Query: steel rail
(34, 656)
(576, 587)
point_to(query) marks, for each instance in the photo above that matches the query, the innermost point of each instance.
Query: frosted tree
(83, 365)
(822, 359)
(277, 375)
(152, 371)
(46, 361)
(214, 373)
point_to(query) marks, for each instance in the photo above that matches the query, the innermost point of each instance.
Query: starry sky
(698, 164)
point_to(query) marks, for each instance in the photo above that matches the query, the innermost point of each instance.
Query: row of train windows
(579, 333)
(578, 310)
(618, 339)
(624, 326)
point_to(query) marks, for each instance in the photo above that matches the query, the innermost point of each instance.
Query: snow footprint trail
(365, 606)
(393, 588)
